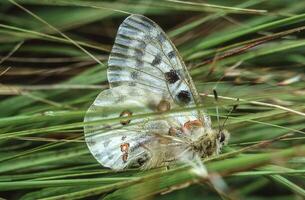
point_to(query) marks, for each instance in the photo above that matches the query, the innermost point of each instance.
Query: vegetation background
(53, 57)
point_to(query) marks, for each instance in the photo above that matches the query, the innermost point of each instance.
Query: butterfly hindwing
(119, 143)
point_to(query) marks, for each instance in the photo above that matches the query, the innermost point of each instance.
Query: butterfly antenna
(233, 109)
(217, 111)
(214, 89)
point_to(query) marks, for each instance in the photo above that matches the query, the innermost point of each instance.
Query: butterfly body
(149, 89)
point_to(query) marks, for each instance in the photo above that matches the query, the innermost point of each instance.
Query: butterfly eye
(222, 137)
(125, 113)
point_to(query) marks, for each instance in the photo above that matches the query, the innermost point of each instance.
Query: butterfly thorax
(206, 145)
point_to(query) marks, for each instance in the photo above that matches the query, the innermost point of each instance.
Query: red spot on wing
(193, 124)
(189, 125)
(125, 157)
(124, 149)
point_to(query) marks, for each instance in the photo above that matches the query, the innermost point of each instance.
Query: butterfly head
(223, 137)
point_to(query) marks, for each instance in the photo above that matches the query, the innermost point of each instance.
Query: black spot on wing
(157, 60)
(184, 97)
(134, 75)
(161, 37)
(171, 54)
(171, 76)
(141, 160)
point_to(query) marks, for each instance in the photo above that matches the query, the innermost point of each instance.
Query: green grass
(53, 64)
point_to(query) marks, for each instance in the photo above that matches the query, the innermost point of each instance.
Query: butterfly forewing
(143, 54)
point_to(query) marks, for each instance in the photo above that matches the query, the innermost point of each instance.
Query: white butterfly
(146, 74)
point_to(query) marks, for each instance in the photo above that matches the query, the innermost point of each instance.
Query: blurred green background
(53, 60)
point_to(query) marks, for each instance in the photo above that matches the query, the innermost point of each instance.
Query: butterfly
(147, 75)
